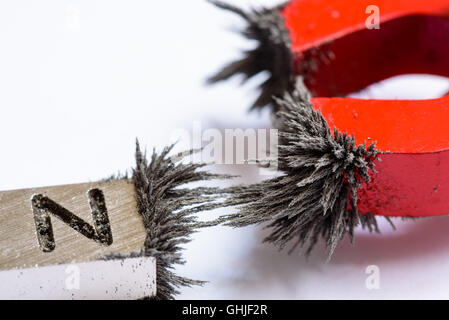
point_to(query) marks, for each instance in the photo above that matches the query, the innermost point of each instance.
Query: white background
(80, 80)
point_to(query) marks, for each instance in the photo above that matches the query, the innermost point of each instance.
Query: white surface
(80, 80)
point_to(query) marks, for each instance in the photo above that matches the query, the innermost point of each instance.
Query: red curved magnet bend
(337, 55)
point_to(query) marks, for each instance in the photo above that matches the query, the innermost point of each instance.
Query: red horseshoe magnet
(338, 49)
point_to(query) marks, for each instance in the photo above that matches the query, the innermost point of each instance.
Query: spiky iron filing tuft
(272, 54)
(168, 212)
(317, 194)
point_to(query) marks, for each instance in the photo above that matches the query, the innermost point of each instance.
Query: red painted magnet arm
(412, 180)
(314, 22)
(338, 56)
(397, 126)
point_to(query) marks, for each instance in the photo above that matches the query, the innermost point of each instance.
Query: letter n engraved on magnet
(42, 207)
